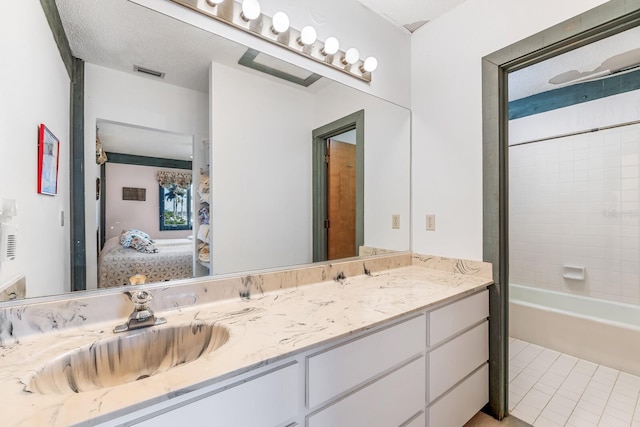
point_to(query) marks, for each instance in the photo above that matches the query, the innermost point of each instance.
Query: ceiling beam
(574, 94)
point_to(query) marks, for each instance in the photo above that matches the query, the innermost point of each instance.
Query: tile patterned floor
(551, 389)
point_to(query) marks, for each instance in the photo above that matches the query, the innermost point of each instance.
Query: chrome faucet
(142, 316)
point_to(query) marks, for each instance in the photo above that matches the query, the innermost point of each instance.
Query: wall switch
(61, 218)
(431, 222)
(395, 222)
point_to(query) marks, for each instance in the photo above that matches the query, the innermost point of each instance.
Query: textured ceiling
(129, 139)
(535, 79)
(411, 14)
(119, 34)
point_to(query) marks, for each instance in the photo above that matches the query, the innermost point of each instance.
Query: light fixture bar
(230, 12)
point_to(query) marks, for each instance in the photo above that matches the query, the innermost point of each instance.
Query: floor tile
(621, 414)
(551, 389)
(557, 417)
(546, 422)
(610, 421)
(585, 417)
(523, 416)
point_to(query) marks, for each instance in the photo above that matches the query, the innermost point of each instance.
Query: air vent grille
(148, 71)
(11, 246)
(8, 242)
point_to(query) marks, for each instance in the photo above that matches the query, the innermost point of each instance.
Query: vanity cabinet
(457, 358)
(376, 380)
(342, 368)
(426, 369)
(391, 400)
(264, 397)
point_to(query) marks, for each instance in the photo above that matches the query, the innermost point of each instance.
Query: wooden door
(341, 200)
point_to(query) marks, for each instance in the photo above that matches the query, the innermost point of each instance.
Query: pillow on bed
(138, 240)
(127, 235)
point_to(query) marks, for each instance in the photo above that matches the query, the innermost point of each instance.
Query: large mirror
(167, 99)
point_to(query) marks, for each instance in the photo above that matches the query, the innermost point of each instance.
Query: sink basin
(127, 357)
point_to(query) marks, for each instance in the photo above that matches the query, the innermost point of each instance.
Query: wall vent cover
(148, 71)
(8, 242)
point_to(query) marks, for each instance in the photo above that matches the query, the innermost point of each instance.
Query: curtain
(179, 179)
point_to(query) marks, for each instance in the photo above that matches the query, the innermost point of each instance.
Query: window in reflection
(175, 208)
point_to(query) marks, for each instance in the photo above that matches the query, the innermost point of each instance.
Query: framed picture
(48, 158)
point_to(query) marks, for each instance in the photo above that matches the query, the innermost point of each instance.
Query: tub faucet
(142, 316)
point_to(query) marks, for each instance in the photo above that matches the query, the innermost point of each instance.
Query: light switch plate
(395, 222)
(431, 222)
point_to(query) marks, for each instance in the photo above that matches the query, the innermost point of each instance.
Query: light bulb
(351, 56)
(280, 23)
(250, 10)
(331, 46)
(214, 3)
(370, 64)
(308, 35)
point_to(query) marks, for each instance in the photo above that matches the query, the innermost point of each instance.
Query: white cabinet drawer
(456, 359)
(390, 401)
(264, 401)
(342, 368)
(453, 318)
(460, 404)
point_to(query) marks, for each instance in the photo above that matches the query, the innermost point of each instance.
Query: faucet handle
(142, 315)
(141, 299)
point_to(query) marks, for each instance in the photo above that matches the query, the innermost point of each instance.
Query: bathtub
(603, 332)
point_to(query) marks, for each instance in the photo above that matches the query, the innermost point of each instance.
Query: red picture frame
(48, 161)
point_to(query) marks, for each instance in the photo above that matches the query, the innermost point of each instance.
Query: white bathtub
(601, 331)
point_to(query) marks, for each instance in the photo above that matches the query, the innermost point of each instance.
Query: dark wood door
(341, 200)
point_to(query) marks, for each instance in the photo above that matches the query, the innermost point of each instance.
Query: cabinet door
(346, 367)
(265, 401)
(456, 359)
(460, 404)
(447, 321)
(390, 401)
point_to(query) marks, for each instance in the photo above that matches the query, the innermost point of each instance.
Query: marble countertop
(262, 330)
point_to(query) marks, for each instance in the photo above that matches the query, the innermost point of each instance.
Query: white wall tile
(576, 201)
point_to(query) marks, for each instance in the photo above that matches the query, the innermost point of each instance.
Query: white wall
(261, 177)
(35, 89)
(351, 22)
(142, 215)
(261, 180)
(447, 113)
(387, 134)
(575, 200)
(125, 98)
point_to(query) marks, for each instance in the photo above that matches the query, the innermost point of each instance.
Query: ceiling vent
(154, 73)
(277, 68)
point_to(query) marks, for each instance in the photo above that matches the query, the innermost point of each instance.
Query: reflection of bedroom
(145, 127)
(168, 252)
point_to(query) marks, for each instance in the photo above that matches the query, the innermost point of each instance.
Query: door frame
(319, 149)
(610, 18)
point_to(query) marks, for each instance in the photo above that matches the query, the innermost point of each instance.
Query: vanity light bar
(246, 16)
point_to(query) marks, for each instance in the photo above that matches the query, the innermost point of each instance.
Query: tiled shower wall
(574, 201)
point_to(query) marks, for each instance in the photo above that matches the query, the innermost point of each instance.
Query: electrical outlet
(395, 222)
(431, 222)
